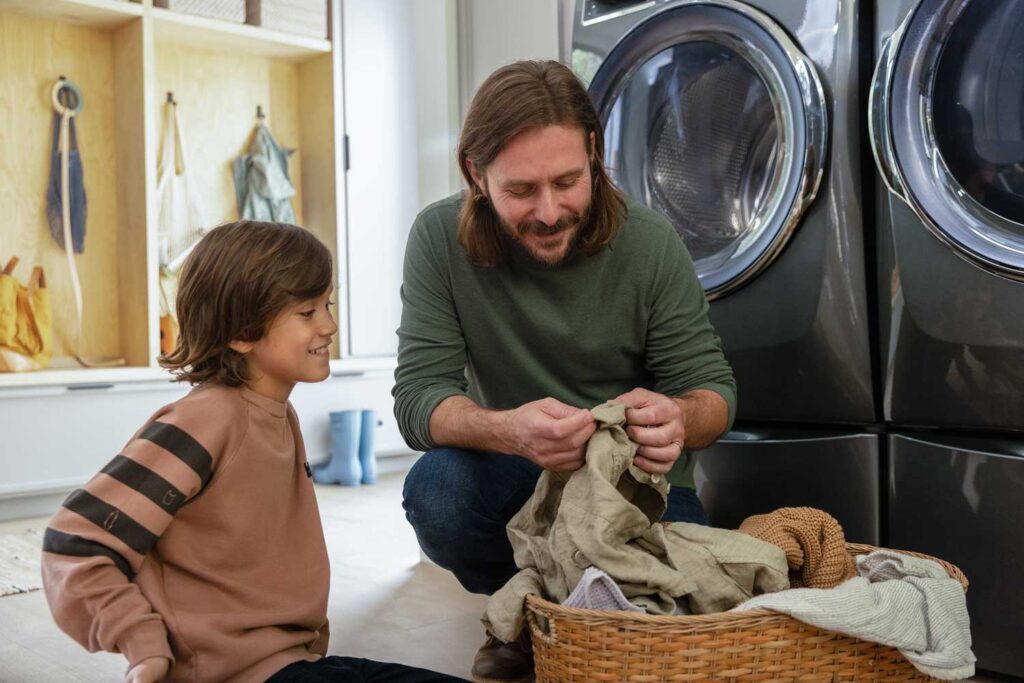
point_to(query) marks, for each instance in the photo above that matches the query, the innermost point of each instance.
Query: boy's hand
(149, 670)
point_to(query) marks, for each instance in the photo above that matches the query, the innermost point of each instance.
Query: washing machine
(740, 122)
(947, 130)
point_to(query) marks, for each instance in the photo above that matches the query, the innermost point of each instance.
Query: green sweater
(632, 315)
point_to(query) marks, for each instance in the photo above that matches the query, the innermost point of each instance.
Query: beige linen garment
(606, 514)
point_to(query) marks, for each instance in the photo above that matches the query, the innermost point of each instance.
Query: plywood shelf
(94, 13)
(62, 374)
(188, 29)
(125, 56)
(67, 373)
(105, 63)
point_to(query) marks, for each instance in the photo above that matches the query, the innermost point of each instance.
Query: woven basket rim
(725, 620)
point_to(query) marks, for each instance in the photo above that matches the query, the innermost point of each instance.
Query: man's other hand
(658, 424)
(550, 433)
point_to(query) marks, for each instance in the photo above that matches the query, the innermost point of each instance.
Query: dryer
(947, 130)
(739, 120)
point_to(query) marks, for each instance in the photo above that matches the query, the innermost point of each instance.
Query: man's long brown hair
(233, 286)
(514, 99)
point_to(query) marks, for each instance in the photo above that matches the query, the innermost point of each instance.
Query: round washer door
(715, 118)
(947, 117)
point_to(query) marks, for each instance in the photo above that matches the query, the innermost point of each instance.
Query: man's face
(540, 187)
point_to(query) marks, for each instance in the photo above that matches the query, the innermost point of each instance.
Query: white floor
(384, 605)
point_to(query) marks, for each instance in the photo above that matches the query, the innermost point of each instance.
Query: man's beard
(571, 221)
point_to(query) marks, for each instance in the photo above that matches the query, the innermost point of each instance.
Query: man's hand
(149, 670)
(658, 424)
(549, 433)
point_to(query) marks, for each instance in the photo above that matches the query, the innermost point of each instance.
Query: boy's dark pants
(353, 670)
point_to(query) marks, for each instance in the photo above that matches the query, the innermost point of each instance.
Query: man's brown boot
(500, 662)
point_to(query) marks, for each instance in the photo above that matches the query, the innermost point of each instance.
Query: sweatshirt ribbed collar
(268, 405)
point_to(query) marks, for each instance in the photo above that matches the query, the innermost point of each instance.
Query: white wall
(400, 118)
(493, 33)
(411, 67)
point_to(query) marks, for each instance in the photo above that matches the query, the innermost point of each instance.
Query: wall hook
(66, 97)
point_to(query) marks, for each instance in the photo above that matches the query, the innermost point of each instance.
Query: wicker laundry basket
(585, 646)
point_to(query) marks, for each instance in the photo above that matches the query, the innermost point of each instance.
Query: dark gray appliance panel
(962, 499)
(753, 471)
(948, 133)
(954, 352)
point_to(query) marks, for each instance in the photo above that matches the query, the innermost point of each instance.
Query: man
(536, 294)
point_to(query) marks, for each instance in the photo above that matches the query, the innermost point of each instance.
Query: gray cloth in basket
(597, 590)
(606, 515)
(905, 602)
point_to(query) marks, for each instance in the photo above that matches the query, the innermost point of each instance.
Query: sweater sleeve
(683, 351)
(431, 345)
(98, 540)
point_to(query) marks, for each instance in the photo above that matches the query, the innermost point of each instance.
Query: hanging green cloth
(262, 186)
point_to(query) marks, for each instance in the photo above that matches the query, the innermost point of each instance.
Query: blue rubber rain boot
(367, 457)
(343, 466)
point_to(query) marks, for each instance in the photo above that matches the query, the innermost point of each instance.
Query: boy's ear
(242, 347)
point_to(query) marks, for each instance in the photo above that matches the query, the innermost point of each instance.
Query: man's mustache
(542, 229)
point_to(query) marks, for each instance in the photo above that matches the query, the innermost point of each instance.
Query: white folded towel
(905, 602)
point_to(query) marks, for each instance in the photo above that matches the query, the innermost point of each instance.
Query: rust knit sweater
(814, 543)
(200, 542)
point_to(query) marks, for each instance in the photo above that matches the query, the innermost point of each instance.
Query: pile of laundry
(593, 539)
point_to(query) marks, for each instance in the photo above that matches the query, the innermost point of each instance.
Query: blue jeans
(459, 502)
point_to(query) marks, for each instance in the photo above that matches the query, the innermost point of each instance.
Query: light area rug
(19, 562)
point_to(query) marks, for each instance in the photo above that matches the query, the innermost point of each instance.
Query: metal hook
(170, 98)
(62, 95)
(259, 113)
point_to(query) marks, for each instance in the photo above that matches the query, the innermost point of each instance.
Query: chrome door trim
(878, 107)
(883, 147)
(812, 96)
(613, 14)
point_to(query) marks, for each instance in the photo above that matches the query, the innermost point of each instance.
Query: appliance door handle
(988, 445)
(878, 117)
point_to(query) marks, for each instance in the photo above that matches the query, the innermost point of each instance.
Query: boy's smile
(296, 348)
(321, 350)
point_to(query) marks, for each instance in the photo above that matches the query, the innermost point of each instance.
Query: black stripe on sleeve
(60, 543)
(163, 493)
(178, 442)
(114, 521)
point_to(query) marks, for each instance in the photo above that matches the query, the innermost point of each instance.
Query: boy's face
(296, 348)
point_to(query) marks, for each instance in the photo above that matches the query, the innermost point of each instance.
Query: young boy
(198, 552)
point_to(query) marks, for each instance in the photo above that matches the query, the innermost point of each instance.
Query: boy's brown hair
(233, 285)
(514, 99)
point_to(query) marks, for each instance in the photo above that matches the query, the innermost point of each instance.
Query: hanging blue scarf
(76, 190)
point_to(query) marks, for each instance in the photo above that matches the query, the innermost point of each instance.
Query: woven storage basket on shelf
(304, 17)
(225, 10)
(586, 646)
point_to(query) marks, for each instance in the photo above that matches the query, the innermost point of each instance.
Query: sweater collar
(269, 405)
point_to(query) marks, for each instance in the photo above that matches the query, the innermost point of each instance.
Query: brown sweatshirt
(200, 542)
